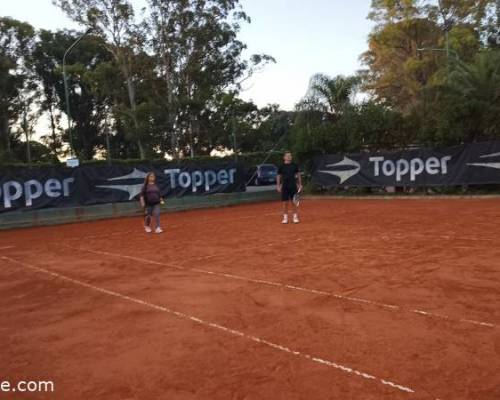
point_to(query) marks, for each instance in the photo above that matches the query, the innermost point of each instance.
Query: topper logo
(343, 174)
(33, 189)
(494, 164)
(198, 179)
(414, 167)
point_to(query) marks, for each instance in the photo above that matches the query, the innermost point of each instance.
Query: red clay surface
(332, 308)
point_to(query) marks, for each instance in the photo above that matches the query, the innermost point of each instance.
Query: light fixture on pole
(66, 91)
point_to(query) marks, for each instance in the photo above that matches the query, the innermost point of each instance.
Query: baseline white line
(200, 321)
(391, 307)
(6, 247)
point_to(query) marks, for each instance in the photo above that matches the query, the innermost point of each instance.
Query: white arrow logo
(132, 190)
(495, 165)
(343, 175)
(135, 174)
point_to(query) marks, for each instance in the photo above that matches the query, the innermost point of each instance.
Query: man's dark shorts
(287, 193)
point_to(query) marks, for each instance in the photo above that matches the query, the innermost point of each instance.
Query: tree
(39, 152)
(47, 59)
(469, 105)
(88, 106)
(28, 110)
(397, 71)
(393, 11)
(196, 47)
(413, 44)
(114, 21)
(324, 118)
(331, 95)
(16, 45)
(460, 12)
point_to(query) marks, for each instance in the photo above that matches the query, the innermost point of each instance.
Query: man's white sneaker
(296, 219)
(148, 229)
(285, 219)
(159, 230)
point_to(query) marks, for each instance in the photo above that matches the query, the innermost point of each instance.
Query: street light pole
(448, 51)
(233, 126)
(498, 13)
(66, 90)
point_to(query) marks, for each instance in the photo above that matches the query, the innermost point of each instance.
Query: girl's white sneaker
(158, 230)
(148, 229)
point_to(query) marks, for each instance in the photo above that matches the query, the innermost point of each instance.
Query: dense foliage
(167, 83)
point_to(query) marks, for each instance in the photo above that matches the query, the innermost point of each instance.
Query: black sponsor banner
(475, 163)
(33, 188)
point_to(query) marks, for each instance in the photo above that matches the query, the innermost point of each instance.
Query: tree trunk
(170, 102)
(194, 131)
(53, 145)
(26, 129)
(28, 145)
(4, 134)
(122, 62)
(133, 108)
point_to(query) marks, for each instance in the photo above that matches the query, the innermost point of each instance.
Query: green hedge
(248, 159)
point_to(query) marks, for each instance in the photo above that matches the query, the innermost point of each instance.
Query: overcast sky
(305, 37)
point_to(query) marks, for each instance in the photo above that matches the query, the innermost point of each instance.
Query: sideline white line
(247, 249)
(6, 247)
(200, 321)
(391, 307)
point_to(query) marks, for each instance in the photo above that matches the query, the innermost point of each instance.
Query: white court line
(213, 325)
(291, 287)
(248, 249)
(6, 247)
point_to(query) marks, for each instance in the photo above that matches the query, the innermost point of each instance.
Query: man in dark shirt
(289, 183)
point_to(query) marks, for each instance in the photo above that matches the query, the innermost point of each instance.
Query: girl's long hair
(146, 180)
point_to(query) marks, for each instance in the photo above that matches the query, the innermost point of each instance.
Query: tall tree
(469, 105)
(196, 46)
(16, 45)
(324, 117)
(331, 95)
(47, 60)
(393, 11)
(88, 106)
(114, 20)
(413, 44)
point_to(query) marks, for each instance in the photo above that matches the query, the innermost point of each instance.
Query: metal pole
(447, 26)
(446, 36)
(26, 131)
(498, 13)
(234, 136)
(450, 51)
(497, 38)
(66, 90)
(68, 112)
(28, 150)
(108, 144)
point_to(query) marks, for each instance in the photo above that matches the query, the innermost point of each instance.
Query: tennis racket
(296, 199)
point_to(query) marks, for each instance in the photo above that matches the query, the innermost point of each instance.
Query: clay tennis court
(365, 299)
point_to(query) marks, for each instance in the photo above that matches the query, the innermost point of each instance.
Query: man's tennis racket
(296, 199)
